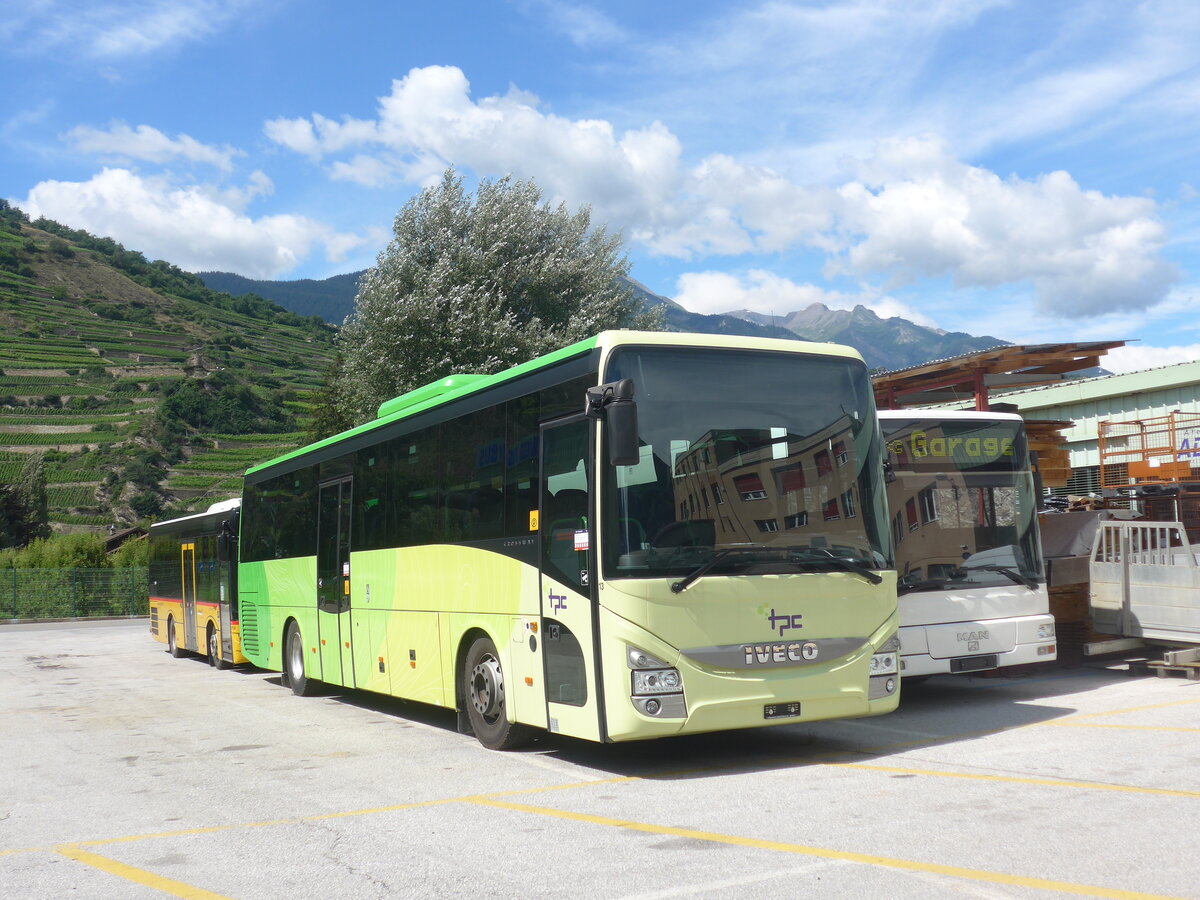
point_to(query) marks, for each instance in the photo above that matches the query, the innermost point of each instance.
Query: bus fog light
(890, 685)
(657, 681)
(653, 706)
(1045, 649)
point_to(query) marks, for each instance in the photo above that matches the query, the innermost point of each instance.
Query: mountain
(145, 392)
(886, 344)
(330, 298)
(333, 299)
(679, 319)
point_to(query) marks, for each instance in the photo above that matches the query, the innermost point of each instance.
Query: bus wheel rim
(487, 687)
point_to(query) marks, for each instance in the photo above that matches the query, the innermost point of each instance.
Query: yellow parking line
(1016, 779)
(16, 850)
(182, 832)
(1131, 709)
(139, 876)
(970, 735)
(1070, 724)
(1044, 884)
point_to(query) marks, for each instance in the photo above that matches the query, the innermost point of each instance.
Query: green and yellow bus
(193, 584)
(640, 535)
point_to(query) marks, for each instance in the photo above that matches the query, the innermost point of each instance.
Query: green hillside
(147, 392)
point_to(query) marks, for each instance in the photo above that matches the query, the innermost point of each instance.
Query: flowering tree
(475, 285)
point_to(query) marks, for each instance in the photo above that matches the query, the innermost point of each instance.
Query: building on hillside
(1086, 402)
(114, 539)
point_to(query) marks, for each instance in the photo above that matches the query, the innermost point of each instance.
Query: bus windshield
(750, 463)
(963, 508)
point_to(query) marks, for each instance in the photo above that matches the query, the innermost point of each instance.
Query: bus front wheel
(293, 663)
(214, 649)
(483, 689)
(172, 643)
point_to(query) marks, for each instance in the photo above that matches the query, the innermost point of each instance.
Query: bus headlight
(1045, 632)
(656, 689)
(656, 681)
(883, 664)
(886, 660)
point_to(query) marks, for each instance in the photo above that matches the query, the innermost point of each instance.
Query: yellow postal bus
(193, 584)
(639, 535)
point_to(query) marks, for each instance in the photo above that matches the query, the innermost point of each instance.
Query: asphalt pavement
(127, 773)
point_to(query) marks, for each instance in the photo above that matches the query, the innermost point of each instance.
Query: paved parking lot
(127, 773)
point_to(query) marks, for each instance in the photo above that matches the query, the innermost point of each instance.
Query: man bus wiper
(1011, 574)
(803, 558)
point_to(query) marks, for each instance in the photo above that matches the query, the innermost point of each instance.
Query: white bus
(964, 525)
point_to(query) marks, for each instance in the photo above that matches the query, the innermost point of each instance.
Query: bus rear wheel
(172, 644)
(483, 693)
(214, 649)
(293, 663)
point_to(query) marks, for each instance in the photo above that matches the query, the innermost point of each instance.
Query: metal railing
(73, 593)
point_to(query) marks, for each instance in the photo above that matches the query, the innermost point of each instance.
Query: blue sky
(1021, 169)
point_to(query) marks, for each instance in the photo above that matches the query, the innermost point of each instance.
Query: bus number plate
(973, 663)
(781, 710)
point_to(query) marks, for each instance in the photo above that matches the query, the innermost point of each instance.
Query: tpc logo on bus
(782, 622)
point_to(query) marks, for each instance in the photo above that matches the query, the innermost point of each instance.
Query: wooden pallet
(1188, 670)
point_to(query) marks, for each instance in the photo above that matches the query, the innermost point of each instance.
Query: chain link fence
(73, 593)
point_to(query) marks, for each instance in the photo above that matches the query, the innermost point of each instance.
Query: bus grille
(154, 620)
(249, 629)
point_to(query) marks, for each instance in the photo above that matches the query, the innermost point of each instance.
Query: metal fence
(73, 593)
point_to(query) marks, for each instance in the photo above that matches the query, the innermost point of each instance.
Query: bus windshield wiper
(711, 563)
(790, 555)
(1011, 574)
(929, 584)
(841, 563)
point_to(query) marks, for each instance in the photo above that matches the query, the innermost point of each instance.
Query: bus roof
(950, 415)
(221, 506)
(454, 387)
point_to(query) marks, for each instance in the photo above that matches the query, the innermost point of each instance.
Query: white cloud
(584, 25)
(1135, 357)
(149, 144)
(115, 30)
(321, 136)
(369, 171)
(911, 212)
(917, 213)
(189, 225)
(764, 292)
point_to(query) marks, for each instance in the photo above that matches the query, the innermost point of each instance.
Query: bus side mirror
(614, 403)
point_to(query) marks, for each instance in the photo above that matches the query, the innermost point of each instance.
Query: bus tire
(293, 663)
(172, 644)
(214, 649)
(483, 693)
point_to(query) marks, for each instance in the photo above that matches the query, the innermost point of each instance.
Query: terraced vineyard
(118, 369)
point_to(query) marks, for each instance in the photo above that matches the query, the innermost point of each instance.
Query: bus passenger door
(333, 583)
(187, 554)
(227, 579)
(569, 614)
